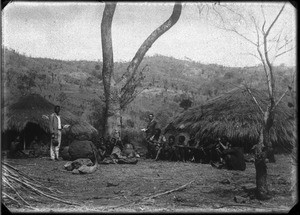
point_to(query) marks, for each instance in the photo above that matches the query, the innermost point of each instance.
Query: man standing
(150, 130)
(55, 129)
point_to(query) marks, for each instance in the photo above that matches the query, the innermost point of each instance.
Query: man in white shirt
(55, 129)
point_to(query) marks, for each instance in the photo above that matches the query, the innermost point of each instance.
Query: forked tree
(269, 43)
(119, 94)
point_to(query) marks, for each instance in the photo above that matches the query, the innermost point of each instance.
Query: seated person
(118, 157)
(232, 158)
(214, 151)
(15, 149)
(117, 150)
(35, 146)
(109, 144)
(202, 155)
(102, 148)
(128, 150)
(194, 152)
(168, 149)
(181, 148)
(154, 144)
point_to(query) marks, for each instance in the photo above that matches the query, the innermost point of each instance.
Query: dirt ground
(124, 187)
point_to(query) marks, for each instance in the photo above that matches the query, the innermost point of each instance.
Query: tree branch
(284, 52)
(253, 55)
(127, 83)
(263, 26)
(285, 92)
(129, 90)
(254, 99)
(243, 36)
(218, 13)
(263, 62)
(268, 31)
(240, 15)
(285, 44)
(135, 62)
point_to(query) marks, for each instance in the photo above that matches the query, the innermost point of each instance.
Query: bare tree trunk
(113, 126)
(262, 153)
(117, 95)
(108, 65)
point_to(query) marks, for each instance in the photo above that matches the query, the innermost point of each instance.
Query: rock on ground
(82, 149)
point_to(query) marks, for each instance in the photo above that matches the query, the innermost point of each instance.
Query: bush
(129, 123)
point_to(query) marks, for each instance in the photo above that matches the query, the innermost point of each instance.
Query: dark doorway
(31, 131)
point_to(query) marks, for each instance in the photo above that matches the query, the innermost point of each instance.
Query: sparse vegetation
(75, 84)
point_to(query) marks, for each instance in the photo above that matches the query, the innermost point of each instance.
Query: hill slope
(77, 85)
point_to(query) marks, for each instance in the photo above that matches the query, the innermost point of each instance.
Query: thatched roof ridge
(32, 107)
(235, 115)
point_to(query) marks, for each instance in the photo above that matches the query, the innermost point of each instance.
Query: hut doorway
(31, 131)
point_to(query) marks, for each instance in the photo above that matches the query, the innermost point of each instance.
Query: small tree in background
(185, 103)
(269, 43)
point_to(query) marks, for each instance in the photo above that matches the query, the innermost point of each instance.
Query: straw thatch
(32, 107)
(234, 114)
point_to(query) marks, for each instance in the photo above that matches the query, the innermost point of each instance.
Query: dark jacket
(234, 158)
(150, 130)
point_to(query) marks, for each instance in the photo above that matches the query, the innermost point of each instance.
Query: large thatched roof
(32, 107)
(235, 115)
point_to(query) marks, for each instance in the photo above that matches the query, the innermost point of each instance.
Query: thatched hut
(234, 114)
(25, 116)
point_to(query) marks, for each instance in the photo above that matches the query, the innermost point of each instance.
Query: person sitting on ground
(214, 151)
(109, 144)
(232, 157)
(15, 149)
(34, 146)
(117, 150)
(181, 148)
(202, 155)
(128, 150)
(102, 148)
(117, 157)
(193, 149)
(168, 149)
(155, 143)
(189, 146)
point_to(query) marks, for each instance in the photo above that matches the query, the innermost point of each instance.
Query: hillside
(77, 85)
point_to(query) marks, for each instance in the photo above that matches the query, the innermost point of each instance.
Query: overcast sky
(71, 31)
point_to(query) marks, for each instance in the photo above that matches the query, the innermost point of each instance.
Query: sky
(72, 31)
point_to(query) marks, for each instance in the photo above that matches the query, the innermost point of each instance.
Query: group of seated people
(17, 149)
(112, 150)
(159, 148)
(219, 154)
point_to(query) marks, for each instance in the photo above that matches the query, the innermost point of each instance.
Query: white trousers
(54, 150)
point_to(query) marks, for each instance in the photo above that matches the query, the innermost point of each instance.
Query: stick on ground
(154, 196)
(169, 191)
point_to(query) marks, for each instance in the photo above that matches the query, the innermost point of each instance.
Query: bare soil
(123, 187)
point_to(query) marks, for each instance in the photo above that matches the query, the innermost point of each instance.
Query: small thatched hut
(26, 116)
(234, 114)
